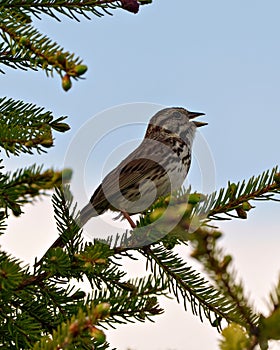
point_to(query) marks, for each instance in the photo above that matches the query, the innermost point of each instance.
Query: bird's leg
(128, 218)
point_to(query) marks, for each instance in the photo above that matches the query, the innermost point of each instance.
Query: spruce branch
(196, 209)
(21, 321)
(25, 127)
(80, 329)
(191, 286)
(22, 186)
(218, 267)
(94, 260)
(70, 233)
(135, 301)
(169, 268)
(130, 308)
(73, 9)
(236, 197)
(269, 326)
(26, 48)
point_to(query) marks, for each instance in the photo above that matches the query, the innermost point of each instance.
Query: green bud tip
(102, 309)
(246, 206)
(226, 261)
(232, 189)
(80, 69)
(66, 82)
(194, 198)
(217, 234)
(98, 335)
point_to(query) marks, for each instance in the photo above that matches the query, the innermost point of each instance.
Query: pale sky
(215, 57)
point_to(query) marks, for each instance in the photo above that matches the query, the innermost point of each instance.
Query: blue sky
(217, 57)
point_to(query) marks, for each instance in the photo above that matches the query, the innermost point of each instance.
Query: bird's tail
(86, 213)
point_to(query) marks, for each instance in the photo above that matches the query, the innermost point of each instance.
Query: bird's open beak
(199, 124)
(193, 115)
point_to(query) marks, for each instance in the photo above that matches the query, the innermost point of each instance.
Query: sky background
(217, 57)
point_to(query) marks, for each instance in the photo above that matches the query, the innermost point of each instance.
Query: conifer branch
(25, 127)
(81, 328)
(71, 8)
(269, 326)
(191, 286)
(18, 188)
(201, 209)
(267, 329)
(217, 265)
(74, 8)
(26, 48)
(237, 196)
(135, 300)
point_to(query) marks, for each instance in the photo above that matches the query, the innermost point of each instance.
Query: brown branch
(31, 280)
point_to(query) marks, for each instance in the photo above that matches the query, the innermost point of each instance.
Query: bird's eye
(177, 115)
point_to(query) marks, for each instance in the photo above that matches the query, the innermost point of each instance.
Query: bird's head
(175, 120)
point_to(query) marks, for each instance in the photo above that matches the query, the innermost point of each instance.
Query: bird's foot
(128, 218)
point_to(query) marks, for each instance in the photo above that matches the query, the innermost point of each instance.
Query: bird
(157, 167)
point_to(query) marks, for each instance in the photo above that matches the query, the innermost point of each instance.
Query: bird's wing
(138, 170)
(128, 175)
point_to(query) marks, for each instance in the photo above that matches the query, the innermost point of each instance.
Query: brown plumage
(156, 167)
